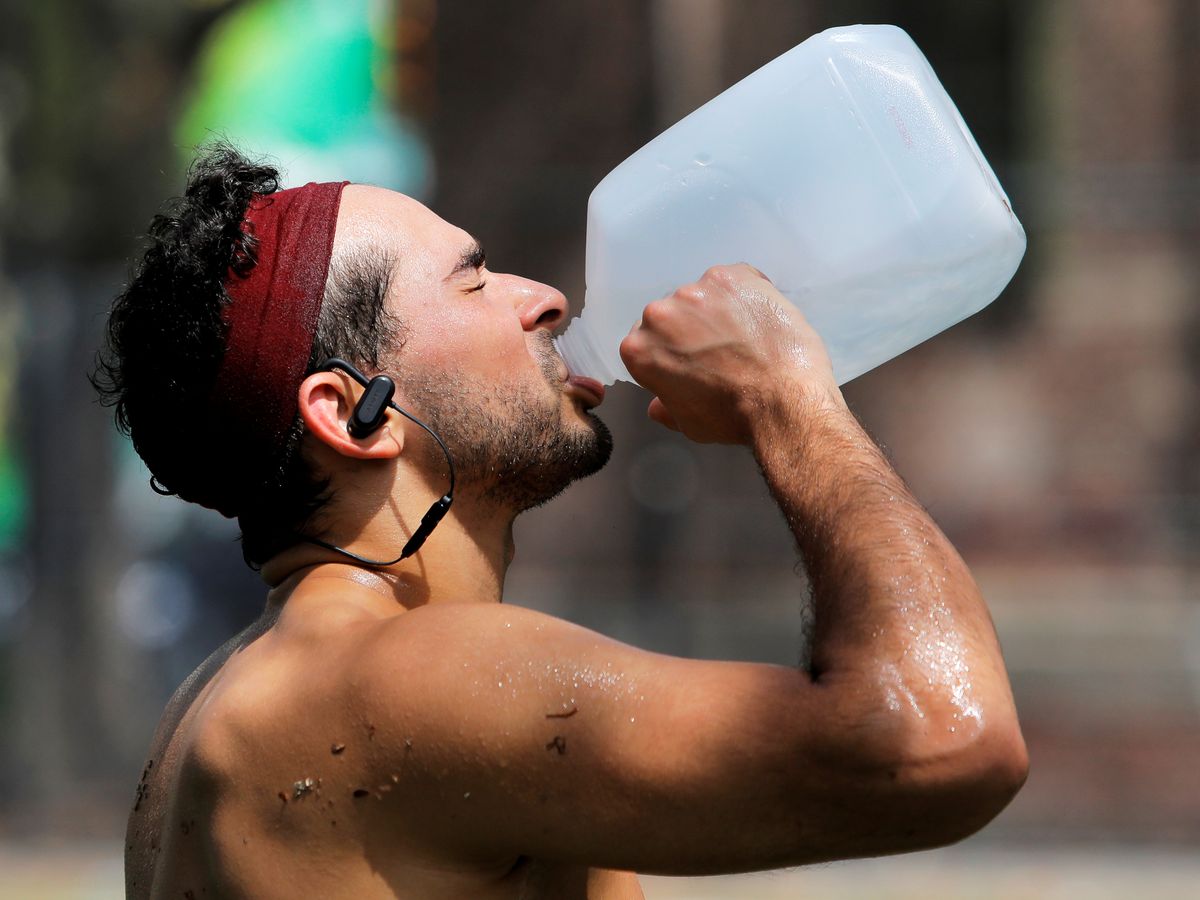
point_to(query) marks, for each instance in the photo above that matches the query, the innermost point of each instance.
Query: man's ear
(326, 401)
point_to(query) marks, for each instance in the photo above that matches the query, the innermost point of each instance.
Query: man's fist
(720, 353)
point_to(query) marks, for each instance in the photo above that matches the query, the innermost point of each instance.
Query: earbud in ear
(369, 413)
(371, 409)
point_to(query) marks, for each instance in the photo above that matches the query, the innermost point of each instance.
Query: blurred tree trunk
(1186, 468)
(95, 84)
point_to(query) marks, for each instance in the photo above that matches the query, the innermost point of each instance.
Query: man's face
(477, 362)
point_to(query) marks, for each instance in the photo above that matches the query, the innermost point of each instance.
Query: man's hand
(722, 351)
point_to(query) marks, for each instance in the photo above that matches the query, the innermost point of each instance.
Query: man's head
(477, 361)
(406, 293)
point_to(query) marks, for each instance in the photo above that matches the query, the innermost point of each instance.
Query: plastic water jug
(843, 171)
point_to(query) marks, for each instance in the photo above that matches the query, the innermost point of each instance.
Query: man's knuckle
(655, 313)
(632, 346)
(723, 275)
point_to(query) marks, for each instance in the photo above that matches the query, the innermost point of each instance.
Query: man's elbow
(1005, 767)
(968, 784)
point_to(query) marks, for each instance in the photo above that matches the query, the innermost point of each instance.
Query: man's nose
(539, 305)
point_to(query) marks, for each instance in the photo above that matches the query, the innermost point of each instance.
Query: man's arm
(518, 734)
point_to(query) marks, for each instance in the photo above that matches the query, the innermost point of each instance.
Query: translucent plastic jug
(843, 171)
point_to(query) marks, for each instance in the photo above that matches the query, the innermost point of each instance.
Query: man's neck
(464, 560)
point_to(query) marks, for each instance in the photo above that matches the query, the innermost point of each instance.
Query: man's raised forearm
(896, 609)
(907, 708)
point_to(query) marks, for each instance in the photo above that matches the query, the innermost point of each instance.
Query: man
(388, 728)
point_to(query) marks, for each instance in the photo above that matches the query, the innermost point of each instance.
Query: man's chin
(599, 452)
(581, 451)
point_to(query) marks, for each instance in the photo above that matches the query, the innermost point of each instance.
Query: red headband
(271, 320)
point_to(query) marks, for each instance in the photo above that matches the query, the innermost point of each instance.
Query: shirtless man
(394, 730)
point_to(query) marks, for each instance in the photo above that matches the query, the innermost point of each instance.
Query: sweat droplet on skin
(936, 651)
(898, 692)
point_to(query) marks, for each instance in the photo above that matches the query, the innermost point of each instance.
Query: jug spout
(586, 354)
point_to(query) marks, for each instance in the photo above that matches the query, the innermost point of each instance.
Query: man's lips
(589, 389)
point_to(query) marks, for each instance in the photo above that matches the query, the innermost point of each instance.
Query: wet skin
(401, 733)
(273, 776)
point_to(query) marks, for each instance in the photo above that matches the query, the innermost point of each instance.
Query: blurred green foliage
(310, 83)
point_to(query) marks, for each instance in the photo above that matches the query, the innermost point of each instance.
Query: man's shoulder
(441, 671)
(440, 644)
(346, 679)
(470, 619)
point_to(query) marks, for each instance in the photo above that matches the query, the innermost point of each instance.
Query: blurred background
(1053, 436)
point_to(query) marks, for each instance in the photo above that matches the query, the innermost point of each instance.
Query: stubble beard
(510, 444)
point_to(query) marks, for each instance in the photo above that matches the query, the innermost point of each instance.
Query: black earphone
(367, 417)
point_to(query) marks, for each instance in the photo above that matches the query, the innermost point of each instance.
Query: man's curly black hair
(166, 337)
